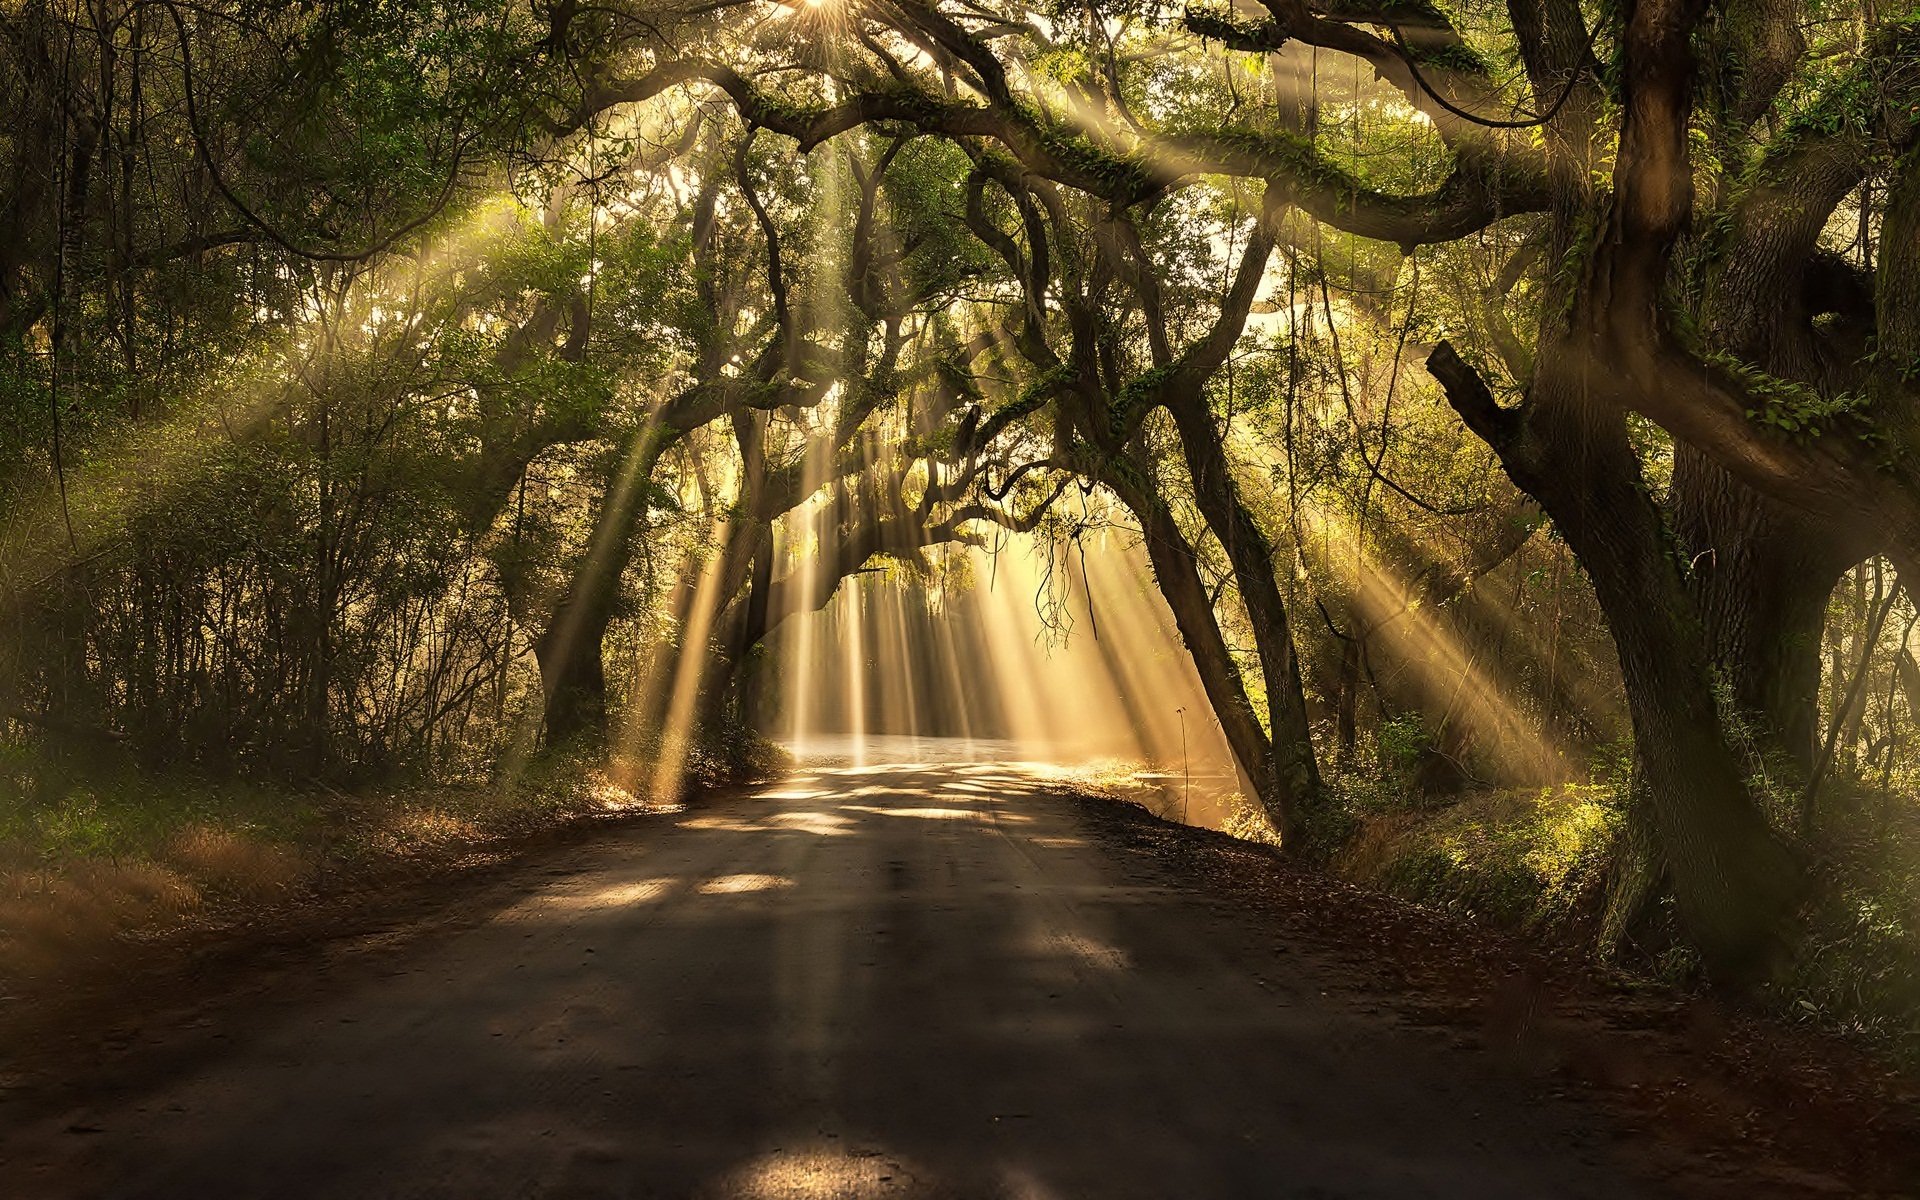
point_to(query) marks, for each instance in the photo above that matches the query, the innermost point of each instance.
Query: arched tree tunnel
(1468, 448)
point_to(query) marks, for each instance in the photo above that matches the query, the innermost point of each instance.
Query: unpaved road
(934, 981)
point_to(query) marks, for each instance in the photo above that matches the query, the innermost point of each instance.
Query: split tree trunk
(1733, 881)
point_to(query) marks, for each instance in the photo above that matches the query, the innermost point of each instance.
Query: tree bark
(1733, 881)
(1296, 771)
(1177, 572)
(573, 674)
(1760, 574)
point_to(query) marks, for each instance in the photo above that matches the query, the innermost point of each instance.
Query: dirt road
(935, 981)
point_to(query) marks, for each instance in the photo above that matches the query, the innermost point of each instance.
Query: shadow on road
(899, 980)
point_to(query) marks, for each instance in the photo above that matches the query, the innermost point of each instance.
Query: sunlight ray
(680, 726)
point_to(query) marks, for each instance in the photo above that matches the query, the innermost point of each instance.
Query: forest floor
(921, 982)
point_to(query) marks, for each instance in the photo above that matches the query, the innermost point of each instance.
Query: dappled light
(644, 891)
(823, 1173)
(733, 885)
(925, 814)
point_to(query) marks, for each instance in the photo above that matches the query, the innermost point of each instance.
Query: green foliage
(1121, 179)
(1568, 273)
(1844, 93)
(1450, 56)
(1856, 966)
(1796, 409)
(1401, 742)
(1284, 155)
(53, 810)
(1515, 857)
(1138, 395)
(925, 185)
(376, 109)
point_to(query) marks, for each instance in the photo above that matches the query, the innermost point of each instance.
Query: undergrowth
(1527, 857)
(1857, 961)
(1541, 859)
(93, 851)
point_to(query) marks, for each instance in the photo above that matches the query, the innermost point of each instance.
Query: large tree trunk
(1733, 881)
(573, 675)
(742, 625)
(1763, 571)
(748, 562)
(1761, 576)
(738, 678)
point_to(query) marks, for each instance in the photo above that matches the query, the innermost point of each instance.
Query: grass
(95, 854)
(1521, 857)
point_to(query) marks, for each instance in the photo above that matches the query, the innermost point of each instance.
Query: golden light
(824, 1172)
(1072, 670)
(734, 885)
(622, 895)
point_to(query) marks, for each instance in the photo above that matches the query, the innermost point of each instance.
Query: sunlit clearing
(1059, 657)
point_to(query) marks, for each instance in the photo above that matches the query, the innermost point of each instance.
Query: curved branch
(205, 154)
(1482, 188)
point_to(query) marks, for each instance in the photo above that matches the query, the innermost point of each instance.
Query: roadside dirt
(1727, 1101)
(121, 1012)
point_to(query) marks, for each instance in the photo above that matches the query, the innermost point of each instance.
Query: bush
(1516, 856)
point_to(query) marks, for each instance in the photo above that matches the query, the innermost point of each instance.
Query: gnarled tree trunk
(1733, 881)
(1761, 575)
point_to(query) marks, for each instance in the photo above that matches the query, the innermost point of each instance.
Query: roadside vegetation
(1543, 860)
(109, 854)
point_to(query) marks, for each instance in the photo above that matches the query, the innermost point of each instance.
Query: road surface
(934, 981)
